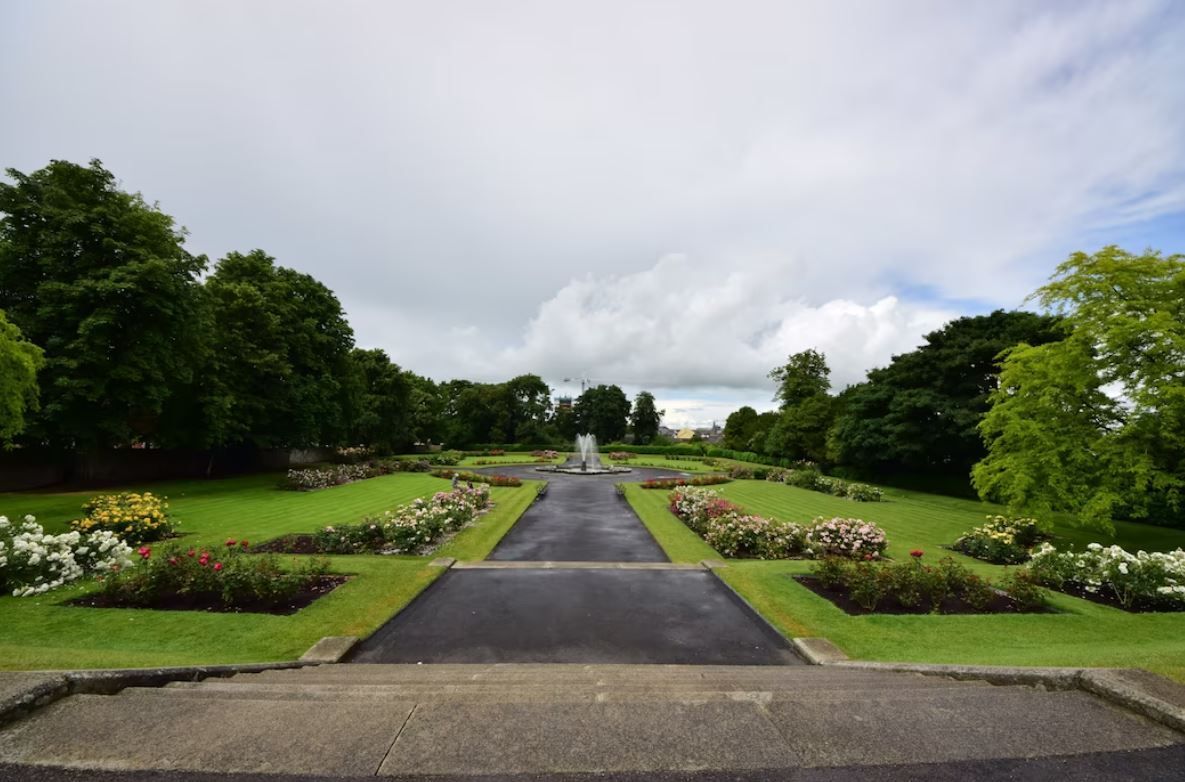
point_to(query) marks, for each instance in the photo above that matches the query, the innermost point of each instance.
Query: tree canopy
(1095, 424)
(100, 280)
(645, 418)
(19, 362)
(921, 412)
(603, 411)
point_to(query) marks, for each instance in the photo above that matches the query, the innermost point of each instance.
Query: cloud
(475, 181)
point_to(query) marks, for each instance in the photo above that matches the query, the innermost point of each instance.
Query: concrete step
(364, 735)
(437, 692)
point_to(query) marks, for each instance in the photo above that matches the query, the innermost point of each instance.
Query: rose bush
(133, 516)
(672, 483)
(1003, 540)
(409, 528)
(851, 538)
(1142, 580)
(33, 563)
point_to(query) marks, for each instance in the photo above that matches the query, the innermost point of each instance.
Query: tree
(921, 412)
(1095, 424)
(100, 280)
(529, 404)
(739, 429)
(804, 375)
(645, 418)
(382, 418)
(801, 430)
(279, 374)
(19, 362)
(602, 411)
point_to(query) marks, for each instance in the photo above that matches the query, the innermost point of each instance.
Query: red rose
(192, 552)
(916, 553)
(231, 542)
(144, 551)
(218, 566)
(173, 561)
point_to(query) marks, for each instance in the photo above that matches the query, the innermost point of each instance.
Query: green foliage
(739, 429)
(801, 429)
(602, 411)
(19, 362)
(645, 418)
(1003, 540)
(920, 413)
(99, 280)
(381, 402)
(1058, 435)
(804, 376)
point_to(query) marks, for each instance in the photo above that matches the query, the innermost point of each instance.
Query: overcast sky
(663, 195)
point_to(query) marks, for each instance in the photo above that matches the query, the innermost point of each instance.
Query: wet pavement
(577, 615)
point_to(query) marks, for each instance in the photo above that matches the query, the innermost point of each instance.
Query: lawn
(43, 633)
(507, 459)
(1080, 634)
(681, 465)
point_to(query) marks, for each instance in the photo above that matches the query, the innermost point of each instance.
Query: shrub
(1140, 580)
(496, 452)
(731, 531)
(804, 479)
(33, 563)
(409, 528)
(621, 456)
(478, 477)
(740, 472)
(352, 455)
(850, 538)
(223, 576)
(134, 517)
(913, 584)
(1004, 541)
(447, 458)
(862, 492)
(672, 483)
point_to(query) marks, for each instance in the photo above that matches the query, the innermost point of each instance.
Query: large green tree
(602, 411)
(279, 373)
(381, 410)
(645, 418)
(921, 412)
(807, 410)
(739, 428)
(100, 280)
(1095, 424)
(19, 362)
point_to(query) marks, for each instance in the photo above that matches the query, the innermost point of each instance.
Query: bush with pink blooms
(850, 538)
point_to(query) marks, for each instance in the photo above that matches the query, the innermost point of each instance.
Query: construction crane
(584, 382)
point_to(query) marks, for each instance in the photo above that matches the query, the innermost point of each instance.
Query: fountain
(585, 461)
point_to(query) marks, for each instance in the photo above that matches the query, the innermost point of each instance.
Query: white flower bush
(1142, 580)
(852, 538)
(408, 528)
(33, 562)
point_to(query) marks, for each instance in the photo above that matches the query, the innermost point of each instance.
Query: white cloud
(802, 168)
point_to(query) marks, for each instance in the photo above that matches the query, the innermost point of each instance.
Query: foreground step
(479, 727)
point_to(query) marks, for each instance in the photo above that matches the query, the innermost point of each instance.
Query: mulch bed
(1001, 605)
(288, 544)
(212, 602)
(1108, 599)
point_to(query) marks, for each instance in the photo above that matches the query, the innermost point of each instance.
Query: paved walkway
(533, 609)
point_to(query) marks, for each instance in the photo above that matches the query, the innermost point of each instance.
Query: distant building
(563, 403)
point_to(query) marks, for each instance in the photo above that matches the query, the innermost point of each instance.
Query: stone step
(367, 735)
(788, 674)
(557, 694)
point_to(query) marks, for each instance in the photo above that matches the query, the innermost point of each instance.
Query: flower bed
(674, 483)
(1111, 575)
(33, 563)
(812, 479)
(176, 578)
(1003, 540)
(312, 478)
(911, 587)
(478, 477)
(621, 456)
(409, 529)
(134, 517)
(735, 533)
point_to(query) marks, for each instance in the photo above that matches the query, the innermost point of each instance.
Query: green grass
(680, 465)
(1080, 634)
(44, 633)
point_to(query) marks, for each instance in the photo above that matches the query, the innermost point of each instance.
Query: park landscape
(402, 463)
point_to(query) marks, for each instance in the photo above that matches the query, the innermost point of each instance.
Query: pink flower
(231, 542)
(173, 561)
(218, 566)
(916, 553)
(192, 552)
(144, 551)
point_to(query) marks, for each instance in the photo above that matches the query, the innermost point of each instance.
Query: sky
(663, 195)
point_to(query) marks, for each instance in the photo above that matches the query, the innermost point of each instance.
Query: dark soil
(953, 605)
(289, 544)
(1108, 599)
(212, 601)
